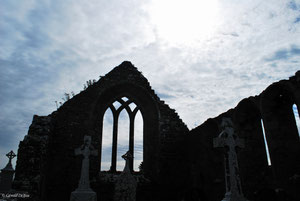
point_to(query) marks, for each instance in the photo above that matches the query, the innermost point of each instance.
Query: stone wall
(178, 164)
(32, 154)
(55, 176)
(274, 107)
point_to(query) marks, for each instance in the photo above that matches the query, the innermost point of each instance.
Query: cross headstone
(84, 192)
(125, 188)
(7, 173)
(127, 157)
(228, 139)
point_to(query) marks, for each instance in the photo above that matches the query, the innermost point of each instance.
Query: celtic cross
(228, 138)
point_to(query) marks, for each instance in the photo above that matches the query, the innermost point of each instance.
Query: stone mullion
(116, 113)
(115, 141)
(131, 139)
(131, 136)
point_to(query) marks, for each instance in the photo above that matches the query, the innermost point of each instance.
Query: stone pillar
(7, 174)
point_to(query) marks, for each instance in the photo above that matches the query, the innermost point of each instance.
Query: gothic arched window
(122, 131)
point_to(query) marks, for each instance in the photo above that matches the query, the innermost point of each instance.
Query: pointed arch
(122, 139)
(107, 140)
(124, 111)
(148, 109)
(138, 141)
(253, 157)
(281, 130)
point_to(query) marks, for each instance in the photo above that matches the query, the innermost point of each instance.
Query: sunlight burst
(184, 21)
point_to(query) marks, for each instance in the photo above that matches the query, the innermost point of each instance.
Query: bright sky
(201, 57)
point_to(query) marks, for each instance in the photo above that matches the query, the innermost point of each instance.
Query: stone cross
(84, 192)
(125, 187)
(10, 156)
(228, 139)
(127, 157)
(7, 174)
(86, 150)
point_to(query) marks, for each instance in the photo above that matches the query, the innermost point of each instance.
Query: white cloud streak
(48, 48)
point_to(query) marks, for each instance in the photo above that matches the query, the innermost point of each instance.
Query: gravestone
(7, 174)
(84, 192)
(125, 187)
(229, 140)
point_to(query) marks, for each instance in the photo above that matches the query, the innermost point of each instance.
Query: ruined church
(222, 158)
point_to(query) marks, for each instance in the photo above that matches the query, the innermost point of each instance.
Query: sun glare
(184, 21)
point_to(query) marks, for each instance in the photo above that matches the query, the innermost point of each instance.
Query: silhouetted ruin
(178, 164)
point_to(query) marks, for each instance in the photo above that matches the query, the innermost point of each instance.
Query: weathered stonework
(178, 164)
(259, 181)
(32, 154)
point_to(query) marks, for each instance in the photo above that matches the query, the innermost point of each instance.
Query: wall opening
(266, 143)
(107, 140)
(296, 115)
(116, 104)
(138, 141)
(122, 132)
(123, 139)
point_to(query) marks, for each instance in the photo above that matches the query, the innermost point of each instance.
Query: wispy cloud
(48, 48)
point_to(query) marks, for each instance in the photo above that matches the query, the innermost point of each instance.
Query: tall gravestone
(229, 140)
(7, 174)
(84, 192)
(125, 187)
